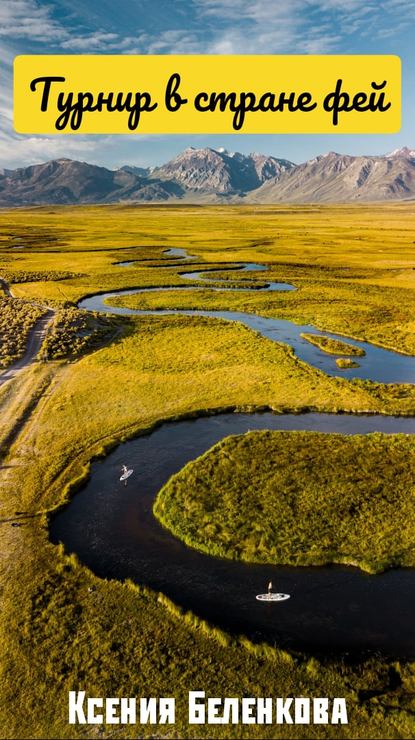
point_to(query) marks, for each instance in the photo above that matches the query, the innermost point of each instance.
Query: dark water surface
(332, 610)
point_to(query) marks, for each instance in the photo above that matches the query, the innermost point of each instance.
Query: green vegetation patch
(75, 332)
(298, 498)
(334, 346)
(17, 317)
(25, 276)
(344, 363)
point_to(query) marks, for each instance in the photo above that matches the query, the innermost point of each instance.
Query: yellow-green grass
(360, 234)
(298, 498)
(18, 400)
(379, 315)
(165, 367)
(353, 265)
(117, 640)
(17, 318)
(333, 346)
(22, 276)
(75, 332)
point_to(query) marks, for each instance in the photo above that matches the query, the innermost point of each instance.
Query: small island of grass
(345, 362)
(298, 498)
(333, 346)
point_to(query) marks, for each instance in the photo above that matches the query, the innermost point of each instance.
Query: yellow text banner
(207, 94)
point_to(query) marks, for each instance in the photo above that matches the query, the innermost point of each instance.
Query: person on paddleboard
(125, 474)
(271, 597)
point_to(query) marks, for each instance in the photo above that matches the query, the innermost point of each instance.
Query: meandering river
(332, 610)
(378, 364)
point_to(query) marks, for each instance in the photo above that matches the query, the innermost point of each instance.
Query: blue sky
(203, 27)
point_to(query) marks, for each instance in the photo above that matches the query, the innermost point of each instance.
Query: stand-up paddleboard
(271, 595)
(126, 472)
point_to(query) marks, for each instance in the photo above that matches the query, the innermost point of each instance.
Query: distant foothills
(216, 176)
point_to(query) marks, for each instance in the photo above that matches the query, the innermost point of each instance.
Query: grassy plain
(354, 270)
(297, 498)
(354, 265)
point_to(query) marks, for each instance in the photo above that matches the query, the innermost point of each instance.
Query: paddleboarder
(125, 474)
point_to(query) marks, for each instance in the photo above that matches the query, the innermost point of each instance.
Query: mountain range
(216, 176)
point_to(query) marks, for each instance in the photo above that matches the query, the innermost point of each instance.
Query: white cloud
(34, 20)
(217, 27)
(97, 41)
(177, 41)
(226, 26)
(29, 19)
(301, 26)
(18, 151)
